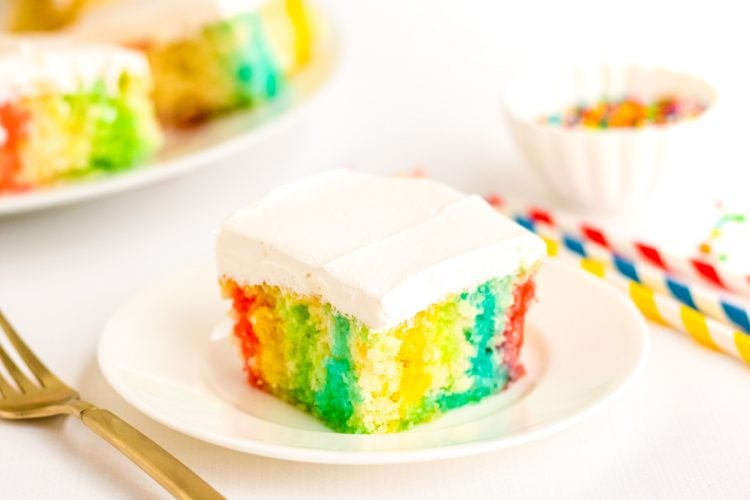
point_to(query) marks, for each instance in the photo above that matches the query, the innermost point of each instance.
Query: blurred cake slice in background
(71, 110)
(207, 56)
(40, 15)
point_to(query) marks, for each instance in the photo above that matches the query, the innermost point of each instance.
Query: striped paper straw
(694, 296)
(638, 250)
(666, 311)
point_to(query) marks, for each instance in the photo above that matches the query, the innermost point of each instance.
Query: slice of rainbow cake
(377, 303)
(69, 110)
(207, 56)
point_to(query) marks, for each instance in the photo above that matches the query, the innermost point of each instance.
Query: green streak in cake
(484, 364)
(335, 403)
(488, 374)
(90, 131)
(228, 65)
(268, 85)
(426, 410)
(299, 351)
(320, 376)
(240, 42)
(118, 142)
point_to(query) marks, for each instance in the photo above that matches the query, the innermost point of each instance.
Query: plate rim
(156, 171)
(382, 457)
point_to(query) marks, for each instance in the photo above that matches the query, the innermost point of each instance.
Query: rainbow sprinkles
(377, 303)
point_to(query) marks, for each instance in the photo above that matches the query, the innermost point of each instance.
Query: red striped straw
(694, 267)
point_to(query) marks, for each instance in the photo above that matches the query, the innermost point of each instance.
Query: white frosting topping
(36, 65)
(380, 249)
(159, 21)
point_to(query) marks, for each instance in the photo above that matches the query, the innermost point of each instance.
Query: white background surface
(419, 87)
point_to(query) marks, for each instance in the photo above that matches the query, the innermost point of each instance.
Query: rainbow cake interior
(377, 319)
(51, 133)
(456, 352)
(215, 56)
(41, 15)
(227, 65)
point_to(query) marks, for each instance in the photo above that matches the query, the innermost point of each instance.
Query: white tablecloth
(419, 87)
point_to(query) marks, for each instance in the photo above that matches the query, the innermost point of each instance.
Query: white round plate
(164, 353)
(203, 145)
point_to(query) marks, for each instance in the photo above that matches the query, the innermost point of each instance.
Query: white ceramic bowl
(600, 169)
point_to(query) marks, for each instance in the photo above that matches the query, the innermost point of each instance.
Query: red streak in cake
(513, 334)
(13, 122)
(243, 330)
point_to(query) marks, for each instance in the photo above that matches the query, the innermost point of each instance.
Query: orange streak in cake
(13, 122)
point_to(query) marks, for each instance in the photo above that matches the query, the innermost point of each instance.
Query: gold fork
(47, 396)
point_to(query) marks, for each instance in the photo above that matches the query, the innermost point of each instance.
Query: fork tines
(35, 366)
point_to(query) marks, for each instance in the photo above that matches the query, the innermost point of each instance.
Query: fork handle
(169, 472)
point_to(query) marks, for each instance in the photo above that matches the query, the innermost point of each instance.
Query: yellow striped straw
(663, 309)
